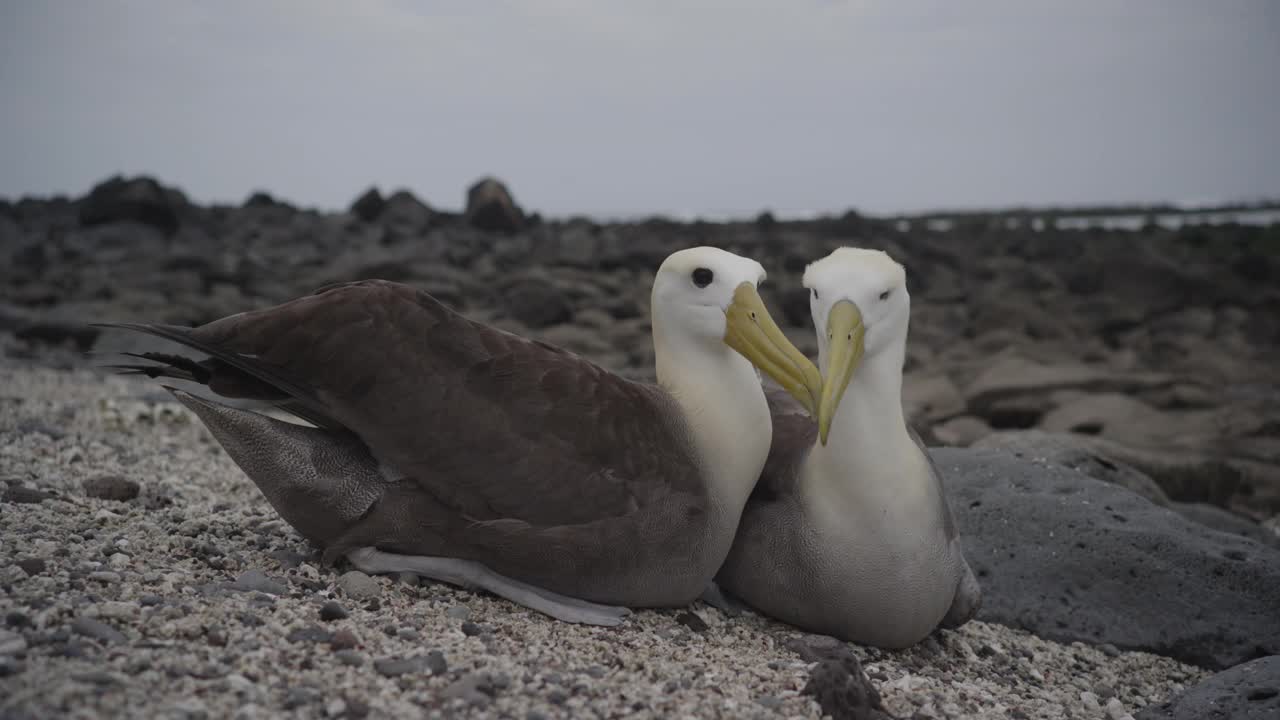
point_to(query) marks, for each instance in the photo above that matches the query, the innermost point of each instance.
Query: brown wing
(496, 426)
(794, 433)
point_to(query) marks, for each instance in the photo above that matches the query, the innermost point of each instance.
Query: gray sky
(606, 106)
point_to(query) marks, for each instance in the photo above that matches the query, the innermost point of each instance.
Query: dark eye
(815, 293)
(885, 295)
(702, 277)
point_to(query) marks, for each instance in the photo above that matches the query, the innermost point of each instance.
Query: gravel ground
(142, 575)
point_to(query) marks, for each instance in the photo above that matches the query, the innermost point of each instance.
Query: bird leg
(470, 574)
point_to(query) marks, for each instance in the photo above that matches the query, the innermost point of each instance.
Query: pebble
(344, 639)
(254, 580)
(11, 643)
(349, 657)
(458, 612)
(473, 688)
(692, 621)
(310, 633)
(357, 585)
(106, 577)
(98, 630)
(395, 667)
(32, 566)
(471, 629)
(1090, 702)
(24, 495)
(436, 663)
(116, 610)
(1115, 710)
(332, 610)
(111, 487)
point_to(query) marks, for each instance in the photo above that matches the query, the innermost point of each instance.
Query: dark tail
(226, 373)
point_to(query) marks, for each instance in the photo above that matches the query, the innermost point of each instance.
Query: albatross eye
(885, 295)
(702, 277)
(815, 293)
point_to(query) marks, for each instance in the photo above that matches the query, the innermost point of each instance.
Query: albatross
(442, 446)
(848, 532)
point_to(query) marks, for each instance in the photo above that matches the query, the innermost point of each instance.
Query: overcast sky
(612, 106)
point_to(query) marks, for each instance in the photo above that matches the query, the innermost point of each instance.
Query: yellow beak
(751, 331)
(845, 344)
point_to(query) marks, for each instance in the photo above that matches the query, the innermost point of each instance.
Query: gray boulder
(1245, 692)
(1068, 557)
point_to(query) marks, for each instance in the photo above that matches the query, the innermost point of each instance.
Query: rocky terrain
(1121, 501)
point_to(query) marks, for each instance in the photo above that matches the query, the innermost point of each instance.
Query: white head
(861, 310)
(706, 298)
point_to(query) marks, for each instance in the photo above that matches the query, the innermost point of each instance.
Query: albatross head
(860, 309)
(706, 297)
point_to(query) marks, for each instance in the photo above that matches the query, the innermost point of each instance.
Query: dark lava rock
(1225, 521)
(1066, 450)
(368, 206)
(1068, 557)
(538, 303)
(111, 487)
(24, 495)
(98, 630)
(838, 682)
(405, 212)
(32, 566)
(471, 629)
(692, 621)
(436, 663)
(491, 208)
(140, 199)
(332, 611)
(1245, 692)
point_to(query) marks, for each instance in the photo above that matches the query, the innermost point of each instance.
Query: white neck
(720, 395)
(868, 433)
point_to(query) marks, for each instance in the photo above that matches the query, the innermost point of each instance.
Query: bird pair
(444, 447)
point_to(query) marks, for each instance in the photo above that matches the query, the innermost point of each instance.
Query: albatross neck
(869, 425)
(719, 393)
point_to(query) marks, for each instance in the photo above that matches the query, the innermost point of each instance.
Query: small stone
(357, 585)
(97, 677)
(10, 667)
(97, 630)
(436, 663)
(119, 560)
(458, 612)
(1104, 691)
(395, 667)
(344, 639)
(150, 600)
(1109, 650)
(408, 578)
(254, 580)
(216, 636)
(769, 701)
(408, 633)
(116, 610)
(106, 577)
(473, 688)
(11, 643)
(357, 708)
(32, 566)
(1115, 709)
(692, 621)
(596, 671)
(557, 697)
(332, 611)
(471, 629)
(300, 696)
(111, 487)
(310, 633)
(1090, 702)
(349, 657)
(24, 495)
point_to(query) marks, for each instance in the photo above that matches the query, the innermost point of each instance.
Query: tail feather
(226, 373)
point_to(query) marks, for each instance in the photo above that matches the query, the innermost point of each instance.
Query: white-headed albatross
(477, 457)
(848, 532)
